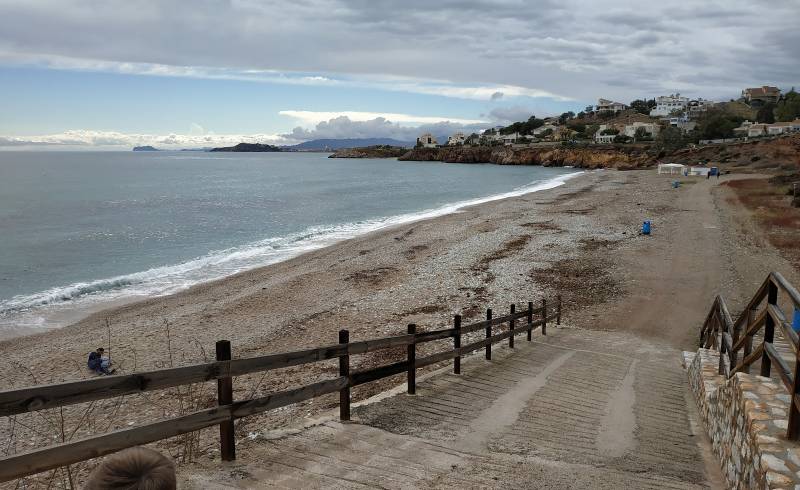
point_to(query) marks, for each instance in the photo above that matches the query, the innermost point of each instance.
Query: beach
(580, 240)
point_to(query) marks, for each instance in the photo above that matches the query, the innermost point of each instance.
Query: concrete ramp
(574, 409)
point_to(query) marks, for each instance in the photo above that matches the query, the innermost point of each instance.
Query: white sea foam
(37, 310)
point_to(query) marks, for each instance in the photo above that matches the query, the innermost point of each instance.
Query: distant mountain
(248, 147)
(338, 144)
(145, 148)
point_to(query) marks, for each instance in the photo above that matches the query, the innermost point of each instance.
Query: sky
(105, 74)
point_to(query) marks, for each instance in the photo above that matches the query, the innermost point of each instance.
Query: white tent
(670, 168)
(699, 171)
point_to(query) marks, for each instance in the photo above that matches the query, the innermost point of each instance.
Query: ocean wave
(221, 263)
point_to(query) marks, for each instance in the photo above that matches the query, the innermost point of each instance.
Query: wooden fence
(35, 398)
(720, 332)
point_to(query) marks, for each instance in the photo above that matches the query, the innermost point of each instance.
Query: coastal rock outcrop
(377, 151)
(551, 156)
(249, 148)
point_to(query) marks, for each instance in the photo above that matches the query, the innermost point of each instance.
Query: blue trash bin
(646, 227)
(796, 320)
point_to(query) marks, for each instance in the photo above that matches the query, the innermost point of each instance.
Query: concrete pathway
(575, 409)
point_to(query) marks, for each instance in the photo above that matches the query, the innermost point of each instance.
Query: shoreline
(60, 315)
(580, 240)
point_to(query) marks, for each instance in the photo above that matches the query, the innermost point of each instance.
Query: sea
(82, 230)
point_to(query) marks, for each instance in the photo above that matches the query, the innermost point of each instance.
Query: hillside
(248, 148)
(337, 144)
(623, 158)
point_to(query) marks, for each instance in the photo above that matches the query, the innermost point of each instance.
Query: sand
(581, 240)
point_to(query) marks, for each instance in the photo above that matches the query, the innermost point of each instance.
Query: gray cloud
(567, 47)
(343, 127)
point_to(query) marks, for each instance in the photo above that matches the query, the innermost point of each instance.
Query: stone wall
(746, 419)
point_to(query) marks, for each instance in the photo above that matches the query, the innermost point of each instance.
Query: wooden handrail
(35, 398)
(735, 335)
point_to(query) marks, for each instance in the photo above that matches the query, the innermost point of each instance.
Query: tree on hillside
(641, 134)
(643, 106)
(766, 114)
(719, 122)
(610, 131)
(563, 118)
(621, 138)
(788, 109)
(525, 127)
(670, 139)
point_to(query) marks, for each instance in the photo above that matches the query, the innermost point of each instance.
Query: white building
(541, 129)
(666, 104)
(599, 137)
(509, 139)
(427, 140)
(605, 105)
(650, 128)
(456, 139)
(697, 108)
(783, 127)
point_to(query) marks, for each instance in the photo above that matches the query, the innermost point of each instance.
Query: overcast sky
(105, 73)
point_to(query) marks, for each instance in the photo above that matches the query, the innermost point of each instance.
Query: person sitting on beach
(137, 468)
(99, 363)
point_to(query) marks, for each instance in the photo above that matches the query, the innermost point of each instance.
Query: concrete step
(575, 409)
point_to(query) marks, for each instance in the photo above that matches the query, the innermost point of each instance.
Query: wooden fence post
(558, 310)
(511, 326)
(530, 320)
(412, 360)
(544, 316)
(227, 442)
(489, 334)
(793, 431)
(344, 371)
(457, 344)
(769, 328)
(748, 341)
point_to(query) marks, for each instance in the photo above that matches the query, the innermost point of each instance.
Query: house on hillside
(742, 130)
(547, 128)
(605, 135)
(474, 139)
(456, 139)
(777, 128)
(651, 129)
(509, 139)
(427, 140)
(667, 104)
(761, 95)
(605, 105)
(697, 107)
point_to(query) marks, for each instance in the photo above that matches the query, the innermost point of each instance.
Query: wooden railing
(35, 398)
(730, 337)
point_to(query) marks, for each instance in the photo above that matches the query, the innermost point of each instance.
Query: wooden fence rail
(224, 369)
(719, 331)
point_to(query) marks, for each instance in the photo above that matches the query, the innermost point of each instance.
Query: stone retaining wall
(746, 418)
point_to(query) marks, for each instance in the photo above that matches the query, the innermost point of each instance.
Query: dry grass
(772, 210)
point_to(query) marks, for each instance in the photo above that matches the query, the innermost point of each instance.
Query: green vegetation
(788, 109)
(671, 139)
(643, 106)
(526, 127)
(766, 114)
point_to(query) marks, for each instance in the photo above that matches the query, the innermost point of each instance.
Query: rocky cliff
(378, 151)
(554, 156)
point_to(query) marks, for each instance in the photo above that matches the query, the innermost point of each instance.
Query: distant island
(249, 147)
(377, 151)
(145, 148)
